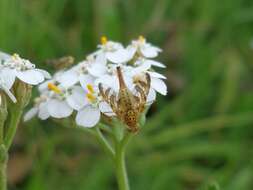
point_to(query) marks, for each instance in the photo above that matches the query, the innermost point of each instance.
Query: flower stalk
(3, 167)
(3, 178)
(120, 167)
(8, 127)
(116, 153)
(23, 95)
(120, 163)
(12, 128)
(104, 143)
(3, 152)
(3, 116)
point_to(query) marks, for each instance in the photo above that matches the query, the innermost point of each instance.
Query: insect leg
(142, 98)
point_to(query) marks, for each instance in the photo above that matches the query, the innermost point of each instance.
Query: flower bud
(22, 92)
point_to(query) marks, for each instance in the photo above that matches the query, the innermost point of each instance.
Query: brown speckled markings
(128, 107)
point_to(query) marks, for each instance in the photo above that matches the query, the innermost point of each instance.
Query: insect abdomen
(131, 120)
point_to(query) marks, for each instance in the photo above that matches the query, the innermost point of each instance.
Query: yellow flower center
(91, 97)
(15, 56)
(142, 39)
(103, 40)
(54, 88)
(90, 88)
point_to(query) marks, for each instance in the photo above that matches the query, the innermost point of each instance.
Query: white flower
(76, 98)
(61, 102)
(76, 89)
(113, 51)
(74, 75)
(143, 48)
(23, 69)
(57, 102)
(98, 66)
(40, 109)
(90, 115)
(71, 77)
(59, 108)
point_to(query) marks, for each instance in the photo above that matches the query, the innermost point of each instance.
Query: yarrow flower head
(112, 51)
(14, 68)
(144, 49)
(114, 81)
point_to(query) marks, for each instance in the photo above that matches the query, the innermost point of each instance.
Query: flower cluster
(76, 90)
(14, 67)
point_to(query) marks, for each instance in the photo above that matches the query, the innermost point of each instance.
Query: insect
(127, 106)
(61, 62)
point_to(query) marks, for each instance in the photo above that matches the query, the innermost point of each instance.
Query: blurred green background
(201, 133)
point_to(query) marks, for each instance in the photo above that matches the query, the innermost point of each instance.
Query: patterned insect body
(128, 107)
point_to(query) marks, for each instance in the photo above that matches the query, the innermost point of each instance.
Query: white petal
(8, 92)
(97, 69)
(156, 63)
(118, 56)
(143, 67)
(131, 50)
(106, 109)
(85, 80)
(77, 98)
(43, 111)
(159, 85)
(111, 45)
(100, 59)
(32, 77)
(68, 78)
(8, 76)
(128, 80)
(88, 116)
(108, 81)
(4, 56)
(58, 74)
(44, 73)
(156, 75)
(149, 51)
(59, 109)
(30, 114)
(151, 96)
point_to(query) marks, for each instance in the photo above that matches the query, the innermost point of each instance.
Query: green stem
(104, 143)
(3, 167)
(3, 178)
(120, 163)
(3, 116)
(117, 155)
(120, 166)
(1, 130)
(16, 114)
(126, 139)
